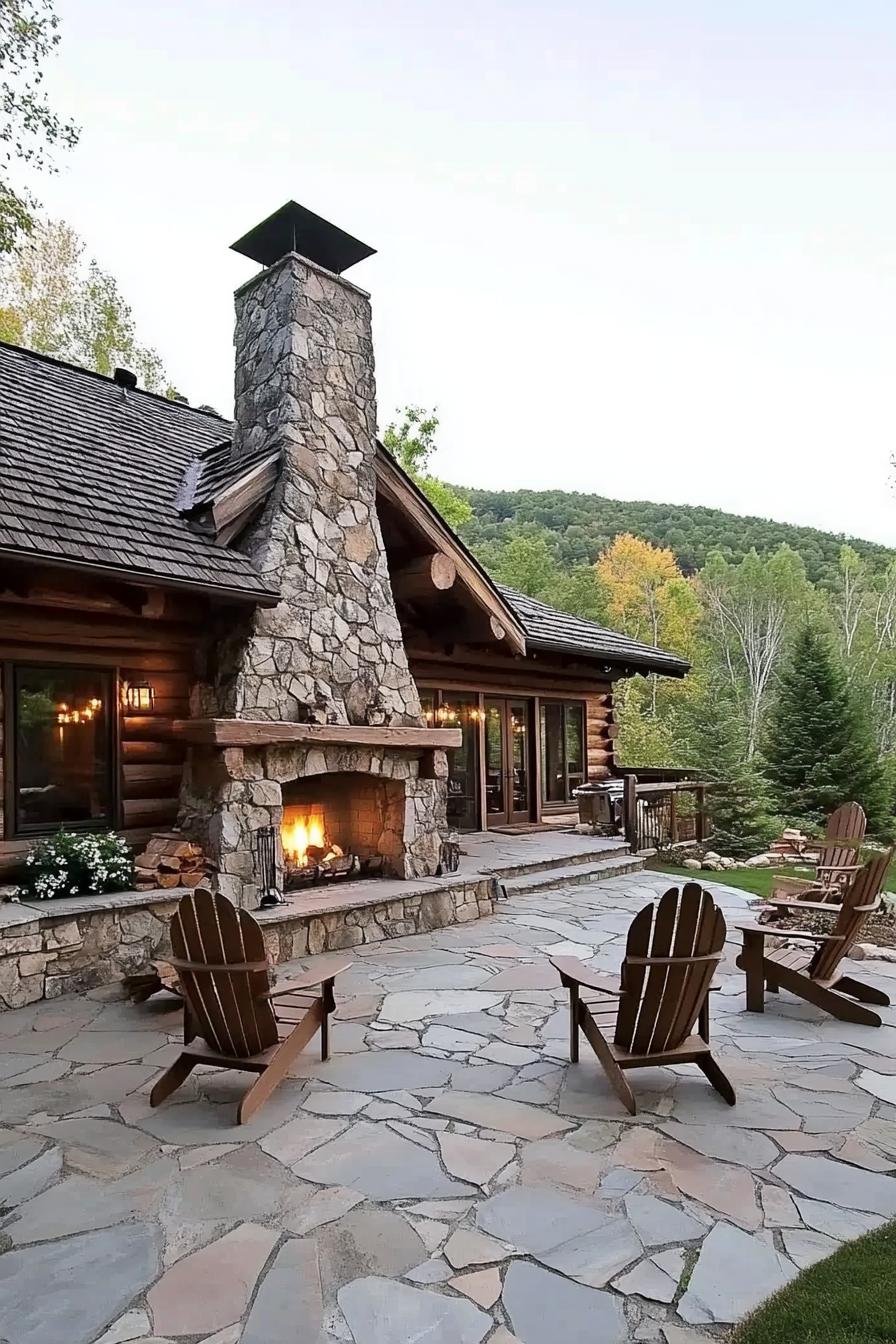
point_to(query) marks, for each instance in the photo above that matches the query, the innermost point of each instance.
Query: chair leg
(857, 989)
(752, 963)
(328, 1005)
(617, 1078)
(172, 1078)
(276, 1071)
(573, 1024)
(717, 1078)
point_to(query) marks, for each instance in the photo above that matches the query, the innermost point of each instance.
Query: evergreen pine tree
(738, 809)
(819, 750)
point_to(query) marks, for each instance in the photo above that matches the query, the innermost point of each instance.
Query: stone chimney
(332, 650)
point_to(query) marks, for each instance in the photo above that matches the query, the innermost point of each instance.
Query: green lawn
(850, 1298)
(757, 881)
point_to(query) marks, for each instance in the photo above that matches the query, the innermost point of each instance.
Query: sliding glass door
(508, 751)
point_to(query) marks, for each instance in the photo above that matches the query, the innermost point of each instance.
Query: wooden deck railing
(659, 813)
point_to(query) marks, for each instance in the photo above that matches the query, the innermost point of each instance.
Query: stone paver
(211, 1288)
(447, 1175)
(128, 1259)
(393, 1313)
(544, 1308)
(824, 1179)
(475, 1160)
(379, 1163)
(289, 1304)
(367, 1241)
(733, 1274)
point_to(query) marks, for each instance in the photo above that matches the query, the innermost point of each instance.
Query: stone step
(587, 857)
(573, 875)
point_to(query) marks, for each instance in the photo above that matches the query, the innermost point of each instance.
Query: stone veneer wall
(235, 791)
(50, 955)
(305, 387)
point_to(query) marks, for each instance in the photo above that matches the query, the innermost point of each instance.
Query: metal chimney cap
(292, 228)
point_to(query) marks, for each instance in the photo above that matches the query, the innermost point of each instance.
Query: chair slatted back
(860, 899)
(846, 823)
(219, 955)
(671, 955)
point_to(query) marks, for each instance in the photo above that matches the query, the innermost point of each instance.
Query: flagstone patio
(447, 1176)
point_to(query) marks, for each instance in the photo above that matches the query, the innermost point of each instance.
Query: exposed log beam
(422, 578)
(265, 732)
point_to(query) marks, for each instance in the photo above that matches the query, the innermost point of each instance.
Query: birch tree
(748, 609)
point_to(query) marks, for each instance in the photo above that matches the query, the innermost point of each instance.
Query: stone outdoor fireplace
(311, 703)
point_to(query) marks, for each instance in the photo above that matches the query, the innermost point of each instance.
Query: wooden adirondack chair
(219, 956)
(839, 855)
(671, 954)
(816, 975)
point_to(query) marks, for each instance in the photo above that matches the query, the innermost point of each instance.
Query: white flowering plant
(77, 864)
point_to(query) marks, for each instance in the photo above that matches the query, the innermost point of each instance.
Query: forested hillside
(582, 526)
(790, 632)
(756, 607)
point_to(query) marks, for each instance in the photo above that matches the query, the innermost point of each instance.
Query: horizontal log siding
(600, 734)
(160, 651)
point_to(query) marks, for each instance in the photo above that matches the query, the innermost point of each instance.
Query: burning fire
(304, 839)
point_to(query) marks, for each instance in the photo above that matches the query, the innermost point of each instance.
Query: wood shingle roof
(547, 628)
(90, 475)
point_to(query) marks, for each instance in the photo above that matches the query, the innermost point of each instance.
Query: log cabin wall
(538, 677)
(153, 638)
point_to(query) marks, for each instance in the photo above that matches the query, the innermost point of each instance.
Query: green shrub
(77, 864)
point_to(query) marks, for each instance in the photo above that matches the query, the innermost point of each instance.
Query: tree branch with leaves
(411, 439)
(56, 301)
(29, 128)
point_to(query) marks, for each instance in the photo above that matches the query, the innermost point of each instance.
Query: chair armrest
(317, 976)
(803, 935)
(827, 907)
(838, 867)
(571, 969)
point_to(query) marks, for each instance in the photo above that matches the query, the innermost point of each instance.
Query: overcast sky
(639, 247)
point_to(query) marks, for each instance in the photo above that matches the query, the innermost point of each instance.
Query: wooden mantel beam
(422, 578)
(266, 732)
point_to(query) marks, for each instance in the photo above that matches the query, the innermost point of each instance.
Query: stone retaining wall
(99, 940)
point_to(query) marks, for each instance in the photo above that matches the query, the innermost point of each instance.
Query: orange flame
(300, 830)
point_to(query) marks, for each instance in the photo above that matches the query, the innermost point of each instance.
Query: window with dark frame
(60, 747)
(562, 730)
(458, 709)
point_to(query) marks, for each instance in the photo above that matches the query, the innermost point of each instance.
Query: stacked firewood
(170, 861)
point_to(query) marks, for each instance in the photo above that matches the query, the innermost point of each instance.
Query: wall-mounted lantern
(139, 697)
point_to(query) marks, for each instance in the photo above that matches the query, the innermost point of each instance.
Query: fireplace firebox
(341, 825)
